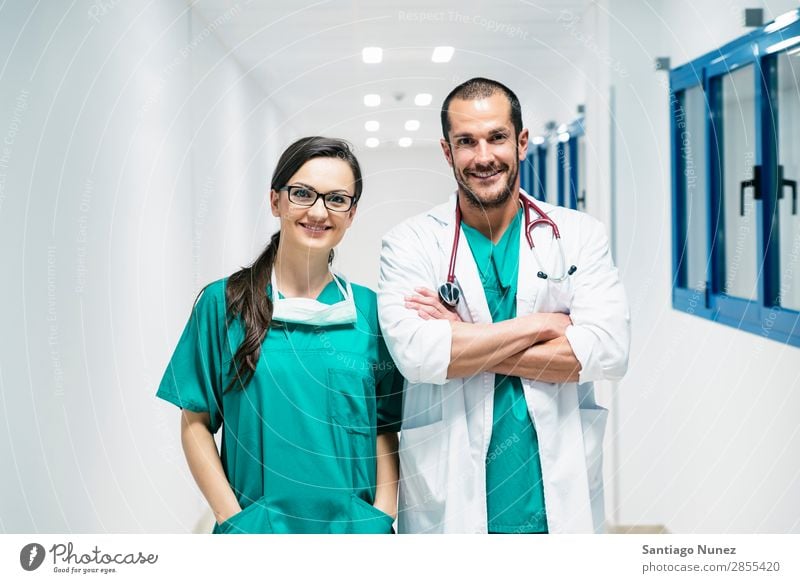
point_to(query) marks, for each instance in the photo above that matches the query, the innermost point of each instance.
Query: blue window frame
(556, 172)
(735, 121)
(540, 175)
(561, 172)
(567, 184)
(526, 174)
(532, 171)
(552, 170)
(576, 165)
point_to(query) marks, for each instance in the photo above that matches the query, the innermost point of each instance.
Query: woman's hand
(206, 466)
(228, 513)
(429, 306)
(387, 474)
(387, 506)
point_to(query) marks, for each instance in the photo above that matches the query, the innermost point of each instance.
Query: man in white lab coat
(501, 432)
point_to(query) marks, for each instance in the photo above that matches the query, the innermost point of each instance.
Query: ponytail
(246, 298)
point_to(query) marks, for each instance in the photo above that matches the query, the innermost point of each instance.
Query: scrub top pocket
(351, 400)
(367, 519)
(252, 519)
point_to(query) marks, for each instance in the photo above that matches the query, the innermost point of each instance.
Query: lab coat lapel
(473, 306)
(534, 292)
(529, 286)
(469, 279)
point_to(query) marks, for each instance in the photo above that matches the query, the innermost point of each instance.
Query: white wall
(707, 437)
(398, 183)
(137, 157)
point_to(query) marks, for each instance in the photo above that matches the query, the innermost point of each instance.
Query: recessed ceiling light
(372, 100)
(373, 142)
(538, 140)
(404, 142)
(423, 99)
(563, 137)
(372, 55)
(372, 126)
(412, 125)
(442, 54)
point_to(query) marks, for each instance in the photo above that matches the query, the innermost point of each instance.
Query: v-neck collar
(330, 294)
(502, 257)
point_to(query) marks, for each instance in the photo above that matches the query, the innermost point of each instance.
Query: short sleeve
(193, 379)
(389, 391)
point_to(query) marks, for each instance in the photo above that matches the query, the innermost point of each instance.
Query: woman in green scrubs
(288, 360)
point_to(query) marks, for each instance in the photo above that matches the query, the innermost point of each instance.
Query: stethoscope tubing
(449, 292)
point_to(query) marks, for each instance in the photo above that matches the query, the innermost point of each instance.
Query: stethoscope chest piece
(449, 293)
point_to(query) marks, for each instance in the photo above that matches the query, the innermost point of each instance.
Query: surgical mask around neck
(313, 312)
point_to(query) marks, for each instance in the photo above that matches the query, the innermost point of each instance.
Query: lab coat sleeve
(193, 377)
(600, 334)
(420, 348)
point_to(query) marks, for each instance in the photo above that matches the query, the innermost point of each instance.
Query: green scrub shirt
(514, 492)
(299, 442)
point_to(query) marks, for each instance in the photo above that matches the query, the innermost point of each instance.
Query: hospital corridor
(600, 192)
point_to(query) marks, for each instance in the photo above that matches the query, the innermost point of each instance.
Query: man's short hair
(480, 88)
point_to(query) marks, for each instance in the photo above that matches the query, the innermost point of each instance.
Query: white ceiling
(307, 56)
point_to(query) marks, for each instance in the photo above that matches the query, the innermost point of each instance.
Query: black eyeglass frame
(289, 187)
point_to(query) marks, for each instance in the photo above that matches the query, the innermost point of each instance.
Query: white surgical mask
(312, 312)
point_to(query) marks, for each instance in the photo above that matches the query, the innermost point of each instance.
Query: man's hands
(532, 346)
(429, 307)
(552, 324)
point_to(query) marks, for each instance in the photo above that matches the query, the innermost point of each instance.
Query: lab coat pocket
(252, 519)
(593, 423)
(422, 466)
(558, 296)
(367, 519)
(351, 407)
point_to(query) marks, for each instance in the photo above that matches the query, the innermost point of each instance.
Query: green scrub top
(299, 442)
(514, 492)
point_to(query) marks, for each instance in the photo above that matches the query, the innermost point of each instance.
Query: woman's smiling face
(315, 227)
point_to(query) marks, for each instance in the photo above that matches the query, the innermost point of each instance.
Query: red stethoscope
(450, 292)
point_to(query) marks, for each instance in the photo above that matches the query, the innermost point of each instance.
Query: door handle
(581, 200)
(783, 182)
(755, 183)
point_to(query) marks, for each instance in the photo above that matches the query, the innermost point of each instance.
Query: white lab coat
(447, 423)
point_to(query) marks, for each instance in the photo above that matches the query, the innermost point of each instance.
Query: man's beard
(500, 200)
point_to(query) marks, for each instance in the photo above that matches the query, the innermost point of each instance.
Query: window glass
(789, 160)
(738, 159)
(691, 120)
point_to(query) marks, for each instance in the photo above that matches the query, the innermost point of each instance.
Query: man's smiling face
(483, 149)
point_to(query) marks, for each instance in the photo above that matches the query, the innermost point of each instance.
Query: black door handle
(755, 183)
(782, 182)
(581, 200)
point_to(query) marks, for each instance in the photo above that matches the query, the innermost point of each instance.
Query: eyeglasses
(307, 196)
